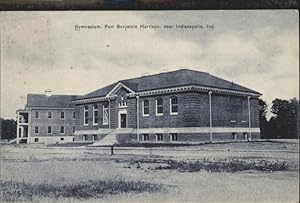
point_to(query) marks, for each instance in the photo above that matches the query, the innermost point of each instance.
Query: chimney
(48, 92)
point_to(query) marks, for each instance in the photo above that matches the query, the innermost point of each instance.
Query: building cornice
(213, 90)
(92, 100)
(50, 108)
(193, 88)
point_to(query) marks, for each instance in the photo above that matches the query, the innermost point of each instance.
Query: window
(146, 107)
(145, 137)
(62, 139)
(159, 107)
(37, 114)
(105, 114)
(174, 137)
(94, 137)
(245, 135)
(86, 115)
(49, 130)
(95, 114)
(159, 137)
(62, 130)
(36, 139)
(73, 129)
(122, 103)
(36, 129)
(49, 114)
(234, 135)
(62, 115)
(173, 106)
(85, 137)
(74, 115)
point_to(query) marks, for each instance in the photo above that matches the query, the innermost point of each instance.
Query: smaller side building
(46, 119)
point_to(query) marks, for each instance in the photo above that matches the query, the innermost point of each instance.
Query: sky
(258, 49)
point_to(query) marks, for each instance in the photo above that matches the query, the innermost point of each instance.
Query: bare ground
(37, 164)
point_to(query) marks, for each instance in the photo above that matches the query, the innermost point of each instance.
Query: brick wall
(80, 116)
(55, 122)
(193, 111)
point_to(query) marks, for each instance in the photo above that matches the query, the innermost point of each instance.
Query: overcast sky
(41, 50)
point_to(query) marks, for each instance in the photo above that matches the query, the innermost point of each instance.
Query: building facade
(180, 106)
(46, 119)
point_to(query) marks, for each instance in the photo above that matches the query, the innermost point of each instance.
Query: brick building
(46, 119)
(178, 106)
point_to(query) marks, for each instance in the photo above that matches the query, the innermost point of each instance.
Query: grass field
(230, 172)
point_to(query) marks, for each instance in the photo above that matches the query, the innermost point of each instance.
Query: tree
(262, 118)
(284, 123)
(8, 128)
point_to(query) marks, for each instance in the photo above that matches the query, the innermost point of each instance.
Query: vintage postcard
(149, 106)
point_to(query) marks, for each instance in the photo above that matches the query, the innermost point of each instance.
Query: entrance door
(123, 120)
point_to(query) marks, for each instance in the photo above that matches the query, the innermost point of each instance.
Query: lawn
(230, 172)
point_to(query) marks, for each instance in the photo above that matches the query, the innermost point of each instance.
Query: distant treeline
(8, 129)
(285, 120)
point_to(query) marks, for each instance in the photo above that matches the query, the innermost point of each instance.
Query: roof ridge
(34, 94)
(172, 71)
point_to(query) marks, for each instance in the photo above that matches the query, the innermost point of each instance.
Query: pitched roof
(176, 78)
(58, 101)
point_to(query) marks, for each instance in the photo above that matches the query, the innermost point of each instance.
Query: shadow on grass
(16, 191)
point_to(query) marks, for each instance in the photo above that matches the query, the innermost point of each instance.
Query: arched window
(146, 107)
(159, 107)
(173, 105)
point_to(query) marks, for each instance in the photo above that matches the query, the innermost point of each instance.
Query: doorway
(122, 118)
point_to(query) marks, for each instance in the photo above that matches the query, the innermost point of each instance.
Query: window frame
(156, 107)
(74, 115)
(105, 108)
(37, 115)
(171, 105)
(122, 104)
(49, 127)
(144, 136)
(38, 129)
(85, 117)
(50, 113)
(143, 108)
(95, 117)
(64, 130)
(62, 113)
(171, 137)
(36, 139)
(159, 137)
